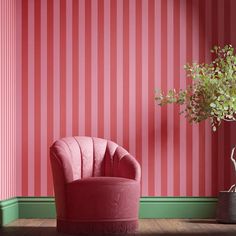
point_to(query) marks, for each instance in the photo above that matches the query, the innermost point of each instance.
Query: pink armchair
(96, 184)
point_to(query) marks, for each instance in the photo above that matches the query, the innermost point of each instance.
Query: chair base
(97, 227)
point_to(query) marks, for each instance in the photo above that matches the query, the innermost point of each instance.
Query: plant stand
(226, 207)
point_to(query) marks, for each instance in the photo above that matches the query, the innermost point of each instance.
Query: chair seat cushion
(102, 199)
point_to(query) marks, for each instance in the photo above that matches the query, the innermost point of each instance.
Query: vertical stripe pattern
(90, 67)
(7, 99)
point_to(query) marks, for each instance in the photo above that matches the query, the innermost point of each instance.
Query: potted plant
(212, 95)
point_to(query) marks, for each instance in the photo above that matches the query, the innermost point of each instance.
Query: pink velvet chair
(96, 184)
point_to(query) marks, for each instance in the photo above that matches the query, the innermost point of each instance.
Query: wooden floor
(47, 227)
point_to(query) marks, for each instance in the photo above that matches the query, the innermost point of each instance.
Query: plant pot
(226, 207)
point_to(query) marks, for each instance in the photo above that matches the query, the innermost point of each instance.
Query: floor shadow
(51, 231)
(211, 221)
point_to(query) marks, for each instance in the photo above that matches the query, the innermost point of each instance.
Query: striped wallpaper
(7, 99)
(90, 67)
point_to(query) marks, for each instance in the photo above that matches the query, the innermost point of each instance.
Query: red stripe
(75, 72)
(50, 116)
(88, 67)
(37, 105)
(189, 126)
(62, 68)
(126, 73)
(214, 5)
(113, 70)
(164, 175)
(202, 35)
(151, 101)
(176, 108)
(138, 109)
(25, 98)
(100, 68)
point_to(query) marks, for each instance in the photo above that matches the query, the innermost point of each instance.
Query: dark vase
(226, 207)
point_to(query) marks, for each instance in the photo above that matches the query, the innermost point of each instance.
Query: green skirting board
(150, 207)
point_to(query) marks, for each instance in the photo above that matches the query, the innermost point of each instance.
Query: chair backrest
(82, 157)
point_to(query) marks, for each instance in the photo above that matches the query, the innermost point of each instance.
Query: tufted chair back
(82, 157)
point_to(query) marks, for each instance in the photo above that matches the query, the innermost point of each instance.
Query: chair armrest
(129, 168)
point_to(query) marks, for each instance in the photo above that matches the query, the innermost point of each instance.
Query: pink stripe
(170, 109)
(151, 102)
(208, 152)
(113, 70)
(100, 68)
(19, 99)
(6, 74)
(14, 99)
(10, 166)
(68, 67)
(6, 128)
(31, 97)
(88, 68)
(7, 108)
(119, 72)
(44, 150)
(6, 105)
(189, 82)
(56, 69)
(4, 101)
(144, 97)
(195, 133)
(50, 118)
(82, 67)
(7, 100)
(157, 108)
(3, 95)
(94, 67)
(1, 98)
(1, 87)
(183, 144)
(107, 69)
(132, 77)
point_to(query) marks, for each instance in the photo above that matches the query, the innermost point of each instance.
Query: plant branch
(232, 158)
(233, 187)
(233, 119)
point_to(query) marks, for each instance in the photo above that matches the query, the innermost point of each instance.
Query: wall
(91, 67)
(7, 99)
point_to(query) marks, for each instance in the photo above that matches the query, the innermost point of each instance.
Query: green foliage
(212, 93)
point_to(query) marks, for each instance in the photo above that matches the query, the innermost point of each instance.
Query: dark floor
(169, 227)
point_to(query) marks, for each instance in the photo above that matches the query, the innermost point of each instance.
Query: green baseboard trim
(178, 207)
(36, 207)
(8, 211)
(150, 207)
